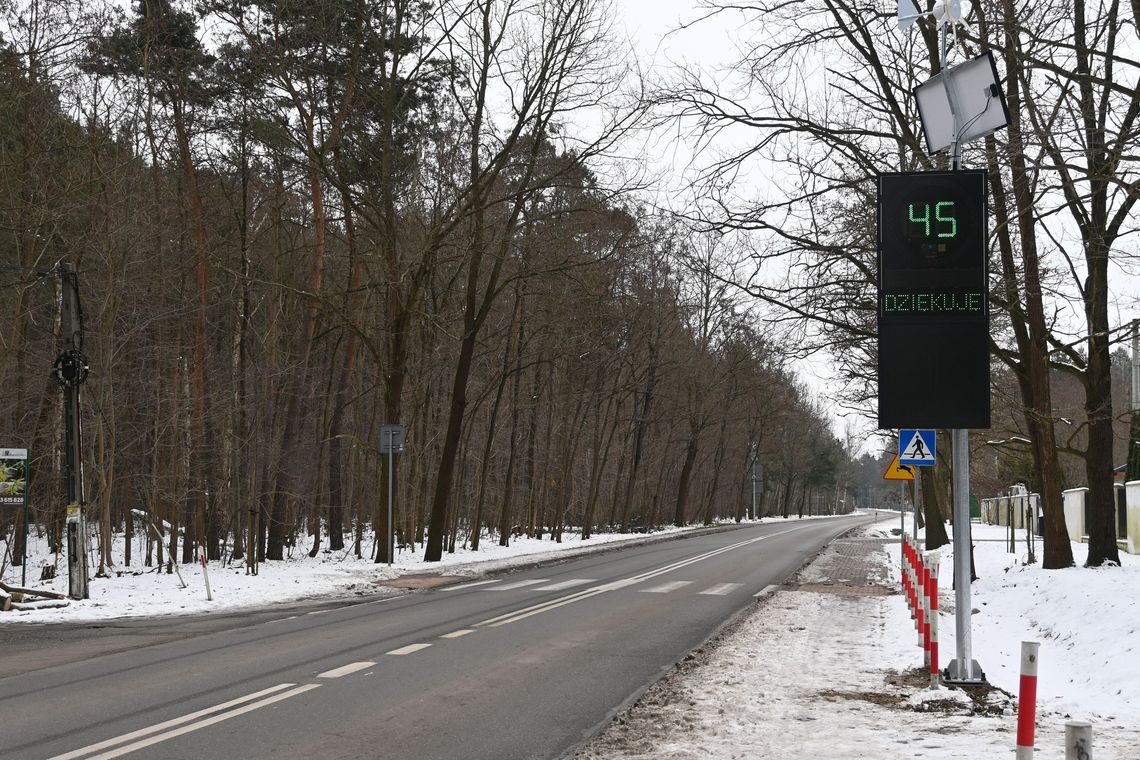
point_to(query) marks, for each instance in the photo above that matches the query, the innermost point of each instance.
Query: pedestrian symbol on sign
(916, 447)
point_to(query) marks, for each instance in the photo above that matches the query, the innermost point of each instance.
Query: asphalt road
(524, 665)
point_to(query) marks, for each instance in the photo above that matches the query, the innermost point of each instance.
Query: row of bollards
(920, 582)
(920, 586)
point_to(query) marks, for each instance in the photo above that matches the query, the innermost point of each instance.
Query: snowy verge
(812, 674)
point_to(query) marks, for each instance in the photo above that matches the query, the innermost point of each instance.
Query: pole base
(955, 673)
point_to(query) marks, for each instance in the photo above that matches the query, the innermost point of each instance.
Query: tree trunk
(1099, 464)
(683, 484)
(199, 435)
(1033, 368)
(505, 516)
(338, 460)
(641, 420)
(601, 455)
(932, 497)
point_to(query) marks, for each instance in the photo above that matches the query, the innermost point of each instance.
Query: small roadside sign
(916, 447)
(896, 471)
(13, 477)
(391, 439)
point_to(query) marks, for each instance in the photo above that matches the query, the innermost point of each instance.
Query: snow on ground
(141, 591)
(1087, 620)
(825, 675)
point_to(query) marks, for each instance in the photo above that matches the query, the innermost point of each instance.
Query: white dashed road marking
(473, 584)
(409, 649)
(517, 584)
(565, 584)
(665, 588)
(345, 670)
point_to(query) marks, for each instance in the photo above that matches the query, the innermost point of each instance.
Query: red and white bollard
(906, 569)
(908, 575)
(206, 577)
(933, 619)
(920, 603)
(924, 621)
(1027, 700)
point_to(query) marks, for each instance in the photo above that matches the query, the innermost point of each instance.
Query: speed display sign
(933, 310)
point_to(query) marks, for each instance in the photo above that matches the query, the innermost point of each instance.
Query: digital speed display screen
(934, 302)
(934, 221)
(933, 305)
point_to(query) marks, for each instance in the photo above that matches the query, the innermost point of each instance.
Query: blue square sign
(916, 447)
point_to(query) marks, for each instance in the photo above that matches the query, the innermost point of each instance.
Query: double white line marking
(187, 723)
(512, 617)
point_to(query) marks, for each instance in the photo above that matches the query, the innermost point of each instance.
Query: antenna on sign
(945, 12)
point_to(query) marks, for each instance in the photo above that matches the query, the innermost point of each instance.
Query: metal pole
(391, 491)
(24, 572)
(913, 513)
(917, 485)
(753, 514)
(27, 490)
(964, 671)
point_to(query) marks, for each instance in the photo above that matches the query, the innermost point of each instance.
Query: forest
(294, 223)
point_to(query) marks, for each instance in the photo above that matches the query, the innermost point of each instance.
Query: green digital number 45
(943, 214)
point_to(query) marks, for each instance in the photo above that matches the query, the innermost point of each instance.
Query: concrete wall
(1132, 489)
(1074, 501)
(996, 510)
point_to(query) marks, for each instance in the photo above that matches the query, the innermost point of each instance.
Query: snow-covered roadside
(140, 591)
(813, 674)
(1087, 620)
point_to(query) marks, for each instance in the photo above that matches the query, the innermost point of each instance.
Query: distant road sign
(391, 439)
(896, 471)
(916, 447)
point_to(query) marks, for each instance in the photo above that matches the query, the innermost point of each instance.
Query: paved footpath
(826, 666)
(851, 566)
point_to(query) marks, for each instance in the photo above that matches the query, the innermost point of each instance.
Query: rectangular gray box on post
(391, 439)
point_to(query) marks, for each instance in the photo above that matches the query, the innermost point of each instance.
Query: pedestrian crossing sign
(916, 447)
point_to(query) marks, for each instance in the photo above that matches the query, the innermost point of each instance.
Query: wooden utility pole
(71, 371)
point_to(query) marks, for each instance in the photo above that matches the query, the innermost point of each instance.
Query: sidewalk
(827, 667)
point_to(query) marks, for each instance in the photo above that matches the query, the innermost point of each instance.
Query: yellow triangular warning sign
(896, 471)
